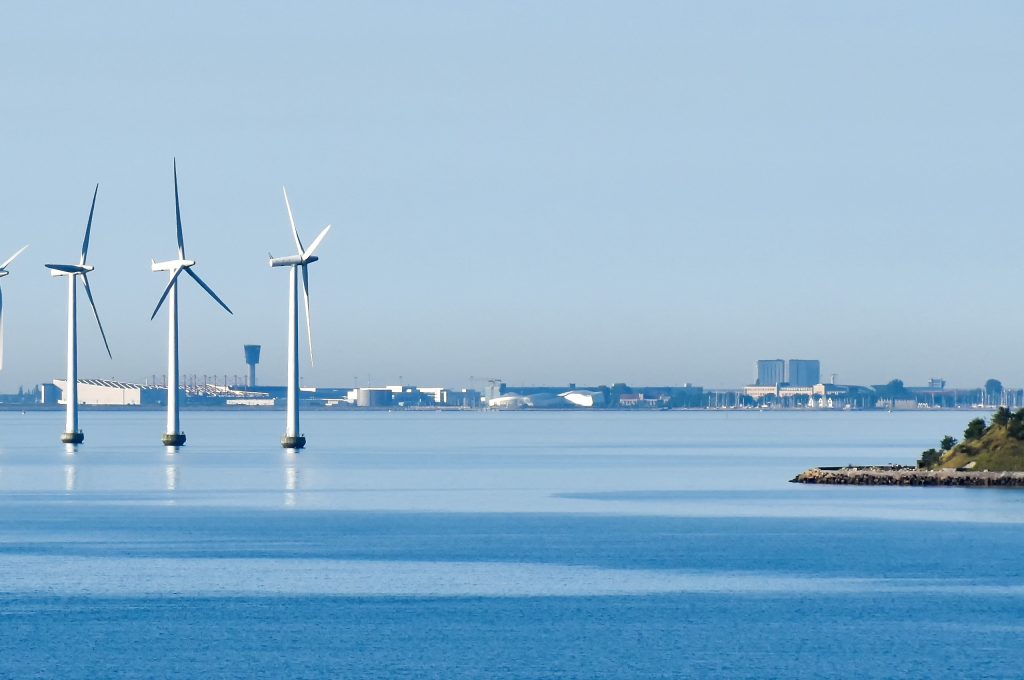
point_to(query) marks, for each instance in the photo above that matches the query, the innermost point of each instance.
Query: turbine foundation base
(175, 439)
(72, 437)
(293, 442)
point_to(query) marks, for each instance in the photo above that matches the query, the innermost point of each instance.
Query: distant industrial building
(619, 395)
(49, 393)
(804, 372)
(549, 398)
(113, 393)
(584, 398)
(770, 372)
(251, 401)
(370, 397)
(94, 392)
(569, 396)
(645, 399)
(510, 400)
(405, 396)
(444, 396)
(816, 396)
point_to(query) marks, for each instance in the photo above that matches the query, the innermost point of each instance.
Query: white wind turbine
(173, 436)
(72, 434)
(293, 438)
(3, 273)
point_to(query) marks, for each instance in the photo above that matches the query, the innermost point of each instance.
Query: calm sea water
(499, 545)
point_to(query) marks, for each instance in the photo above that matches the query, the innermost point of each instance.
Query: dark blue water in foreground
(500, 545)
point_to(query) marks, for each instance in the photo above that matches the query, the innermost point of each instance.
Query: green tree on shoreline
(975, 429)
(929, 458)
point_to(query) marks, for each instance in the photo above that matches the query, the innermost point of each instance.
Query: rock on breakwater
(896, 475)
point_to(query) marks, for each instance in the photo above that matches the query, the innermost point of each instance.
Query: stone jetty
(898, 475)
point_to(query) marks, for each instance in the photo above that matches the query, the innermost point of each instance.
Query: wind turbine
(173, 436)
(3, 273)
(72, 434)
(293, 438)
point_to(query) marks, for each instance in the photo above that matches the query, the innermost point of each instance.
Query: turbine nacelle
(292, 260)
(171, 265)
(69, 269)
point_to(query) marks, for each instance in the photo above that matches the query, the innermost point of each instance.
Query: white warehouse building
(584, 398)
(94, 392)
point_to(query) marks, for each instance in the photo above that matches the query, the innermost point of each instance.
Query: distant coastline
(313, 406)
(493, 393)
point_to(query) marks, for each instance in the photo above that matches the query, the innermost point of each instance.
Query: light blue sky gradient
(546, 192)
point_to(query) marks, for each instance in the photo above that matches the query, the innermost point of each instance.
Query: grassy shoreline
(997, 446)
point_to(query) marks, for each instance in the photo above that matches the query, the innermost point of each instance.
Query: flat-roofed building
(444, 396)
(96, 392)
(804, 372)
(770, 372)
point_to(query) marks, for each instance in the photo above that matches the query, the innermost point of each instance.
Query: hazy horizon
(547, 193)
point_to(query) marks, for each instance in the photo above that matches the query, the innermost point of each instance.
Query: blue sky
(654, 192)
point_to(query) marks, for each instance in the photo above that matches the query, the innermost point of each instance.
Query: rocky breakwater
(896, 475)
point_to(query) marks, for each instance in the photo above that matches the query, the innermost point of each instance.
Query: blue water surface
(499, 545)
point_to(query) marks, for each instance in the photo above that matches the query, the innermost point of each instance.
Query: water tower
(252, 357)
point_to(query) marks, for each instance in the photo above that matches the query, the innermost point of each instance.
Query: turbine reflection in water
(291, 477)
(171, 476)
(70, 478)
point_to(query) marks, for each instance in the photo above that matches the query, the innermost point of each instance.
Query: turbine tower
(72, 434)
(173, 436)
(293, 438)
(3, 273)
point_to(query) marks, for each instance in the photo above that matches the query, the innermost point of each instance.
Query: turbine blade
(316, 243)
(208, 289)
(11, 258)
(167, 290)
(177, 214)
(305, 297)
(88, 225)
(295, 232)
(88, 293)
